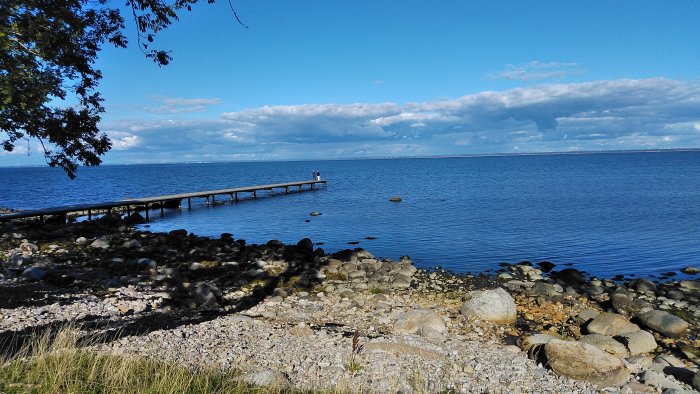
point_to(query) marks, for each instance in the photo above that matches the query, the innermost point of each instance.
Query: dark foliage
(48, 80)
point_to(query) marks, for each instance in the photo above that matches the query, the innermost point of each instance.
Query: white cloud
(535, 71)
(616, 114)
(126, 142)
(181, 105)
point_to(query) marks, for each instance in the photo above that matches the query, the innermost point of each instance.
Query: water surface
(606, 213)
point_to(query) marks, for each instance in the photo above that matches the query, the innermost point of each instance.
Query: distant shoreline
(465, 155)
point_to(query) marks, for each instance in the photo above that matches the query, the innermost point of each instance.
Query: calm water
(606, 213)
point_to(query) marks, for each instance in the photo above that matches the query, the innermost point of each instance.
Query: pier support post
(189, 203)
(161, 207)
(147, 207)
(286, 190)
(89, 214)
(213, 199)
(128, 210)
(255, 194)
(236, 196)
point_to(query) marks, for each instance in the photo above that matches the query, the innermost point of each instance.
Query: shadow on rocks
(187, 266)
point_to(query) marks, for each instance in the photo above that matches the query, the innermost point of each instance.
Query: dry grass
(56, 364)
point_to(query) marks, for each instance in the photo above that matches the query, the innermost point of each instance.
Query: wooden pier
(161, 202)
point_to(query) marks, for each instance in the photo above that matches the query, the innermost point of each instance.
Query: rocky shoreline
(293, 315)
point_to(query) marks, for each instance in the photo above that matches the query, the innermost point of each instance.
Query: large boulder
(495, 305)
(638, 342)
(606, 343)
(586, 362)
(610, 324)
(570, 276)
(664, 323)
(690, 284)
(423, 322)
(305, 245)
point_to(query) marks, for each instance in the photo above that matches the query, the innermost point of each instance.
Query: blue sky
(328, 79)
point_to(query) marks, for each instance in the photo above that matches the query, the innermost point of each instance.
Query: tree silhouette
(48, 82)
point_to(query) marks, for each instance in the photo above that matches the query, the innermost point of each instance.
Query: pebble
(302, 337)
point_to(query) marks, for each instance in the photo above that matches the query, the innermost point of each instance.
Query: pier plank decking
(158, 201)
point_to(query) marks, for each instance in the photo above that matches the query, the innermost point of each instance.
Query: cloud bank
(614, 114)
(535, 71)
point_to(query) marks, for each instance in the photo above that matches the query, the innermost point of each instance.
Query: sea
(629, 213)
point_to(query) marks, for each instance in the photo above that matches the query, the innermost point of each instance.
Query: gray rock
(639, 363)
(675, 294)
(363, 254)
(305, 245)
(690, 270)
(536, 339)
(638, 342)
(690, 284)
(100, 244)
(643, 285)
(586, 316)
(606, 343)
(595, 290)
(34, 273)
(544, 289)
(635, 387)
(423, 322)
(131, 244)
(145, 263)
(677, 391)
(267, 377)
(81, 241)
(514, 285)
(28, 247)
(610, 324)
(626, 305)
(205, 297)
(664, 323)
(408, 270)
(586, 362)
(570, 276)
(669, 360)
(658, 380)
(20, 259)
(495, 305)
(401, 282)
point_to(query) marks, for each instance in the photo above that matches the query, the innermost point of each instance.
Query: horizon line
(390, 157)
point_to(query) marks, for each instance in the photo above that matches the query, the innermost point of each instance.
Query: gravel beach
(296, 316)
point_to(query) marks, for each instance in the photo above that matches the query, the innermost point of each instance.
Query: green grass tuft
(58, 365)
